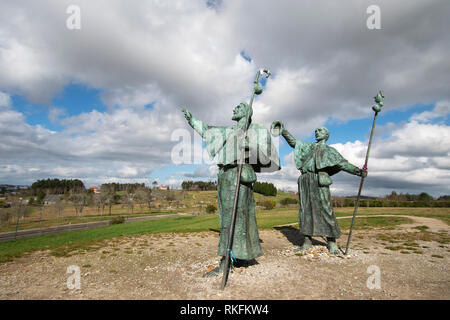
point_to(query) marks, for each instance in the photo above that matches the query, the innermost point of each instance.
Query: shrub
(210, 208)
(286, 201)
(268, 204)
(375, 203)
(118, 220)
(5, 216)
(349, 202)
(170, 196)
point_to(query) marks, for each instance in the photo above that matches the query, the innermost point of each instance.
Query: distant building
(52, 199)
(25, 201)
(95, 189)
(163, 187)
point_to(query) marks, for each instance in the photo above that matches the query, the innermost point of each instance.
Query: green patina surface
(317, 163)
(260, 156)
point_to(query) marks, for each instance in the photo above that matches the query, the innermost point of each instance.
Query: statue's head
(322, 133)
(242, 110)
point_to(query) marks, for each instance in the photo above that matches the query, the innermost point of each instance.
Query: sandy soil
(170, 266)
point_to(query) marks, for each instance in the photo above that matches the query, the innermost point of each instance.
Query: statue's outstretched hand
(187, 114)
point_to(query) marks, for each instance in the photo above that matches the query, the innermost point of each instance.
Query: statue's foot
(305, 246)
(333, 248)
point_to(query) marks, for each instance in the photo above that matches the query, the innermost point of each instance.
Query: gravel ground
(170, 266)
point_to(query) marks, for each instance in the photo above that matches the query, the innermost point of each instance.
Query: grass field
(438, 213)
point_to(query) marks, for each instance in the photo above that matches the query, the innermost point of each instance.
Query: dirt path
(170, 266)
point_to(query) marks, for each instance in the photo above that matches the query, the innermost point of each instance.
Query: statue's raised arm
(278, 128)
(196, 124)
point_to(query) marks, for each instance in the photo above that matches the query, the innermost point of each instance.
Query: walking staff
(377, 109)
(257, 89)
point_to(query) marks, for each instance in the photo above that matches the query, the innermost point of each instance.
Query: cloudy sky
(102, 103)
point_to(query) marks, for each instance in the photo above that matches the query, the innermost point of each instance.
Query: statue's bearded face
(239, 112)
(322, 134)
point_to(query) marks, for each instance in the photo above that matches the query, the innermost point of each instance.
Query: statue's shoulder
(220, 127)
(303, 146)
(257, 126)
(218, 130)
(333, 151)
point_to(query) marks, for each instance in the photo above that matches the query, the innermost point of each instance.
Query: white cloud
(123, 144)
(441, 109)
(414, 158)
(127, 171)
(415, 139)
(5, 100)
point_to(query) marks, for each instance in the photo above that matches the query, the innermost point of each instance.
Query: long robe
(261, 156)
(318, 162)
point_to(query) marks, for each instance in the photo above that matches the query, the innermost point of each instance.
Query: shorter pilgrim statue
(317, 162)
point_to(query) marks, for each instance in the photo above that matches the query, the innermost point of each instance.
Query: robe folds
(317, 162)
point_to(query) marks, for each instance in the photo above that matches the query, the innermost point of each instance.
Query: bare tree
(101, 200)
(143, 196)
(130, 201)
(41, 214)
(79, 201)
(58, 206)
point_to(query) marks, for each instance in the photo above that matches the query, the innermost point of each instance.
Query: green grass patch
(442, 214)
(370, 222)
(395, 248)
(409, 238)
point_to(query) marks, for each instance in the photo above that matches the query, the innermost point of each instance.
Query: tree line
(114, 187)
(199, 185)
(56, 186)
(394, 199)
(423, 196)
(265, 188)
